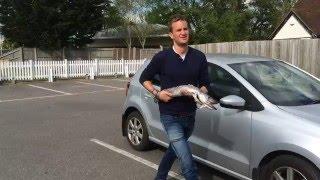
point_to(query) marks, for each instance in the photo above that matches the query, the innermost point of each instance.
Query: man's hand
(164, 96)
(203, 89)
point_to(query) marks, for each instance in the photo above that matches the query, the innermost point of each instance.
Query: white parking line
(94, 84)
(77, 86)
(59, 95)
(134, 157)
(31, 98)
(49, 89)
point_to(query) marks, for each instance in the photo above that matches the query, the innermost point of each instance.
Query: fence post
(122, 66)
(22, 54)
(126, 71)
(66, 68)
(122, 53)
(63, 53)
(96, 67)
(50, 78)
(91, 73)
(31, 63)
(134, 53)
(35, 54)
(117, 53)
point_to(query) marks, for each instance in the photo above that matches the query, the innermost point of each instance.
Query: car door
(151, 109)
(222, 136)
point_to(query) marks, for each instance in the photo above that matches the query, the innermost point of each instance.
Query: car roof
(223, 59)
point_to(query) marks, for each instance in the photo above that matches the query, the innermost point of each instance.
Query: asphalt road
(53, 130)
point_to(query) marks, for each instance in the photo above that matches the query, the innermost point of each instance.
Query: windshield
(280, 83)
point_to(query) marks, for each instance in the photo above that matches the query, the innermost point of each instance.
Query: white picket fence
(31, 70)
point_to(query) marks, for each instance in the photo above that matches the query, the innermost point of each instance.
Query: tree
(143, 31)
(128, 24)
(230, 20)
(112, 17)
(210, 20)
(8, 45)
(223, 20)
(52, 24)
(132, 13)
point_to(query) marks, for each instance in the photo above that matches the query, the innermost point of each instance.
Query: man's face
(180, 32)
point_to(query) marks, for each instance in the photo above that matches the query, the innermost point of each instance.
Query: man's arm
(204, 76)
(147, 75)
(161, 95)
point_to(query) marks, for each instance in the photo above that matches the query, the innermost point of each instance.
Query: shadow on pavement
(205, 172)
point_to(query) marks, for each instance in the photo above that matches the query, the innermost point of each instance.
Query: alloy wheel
(135, 131)
(287, 173)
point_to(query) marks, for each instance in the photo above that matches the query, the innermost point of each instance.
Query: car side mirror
(232, 102)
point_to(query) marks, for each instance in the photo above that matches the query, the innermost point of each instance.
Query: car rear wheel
(288, 167)
(136, 131)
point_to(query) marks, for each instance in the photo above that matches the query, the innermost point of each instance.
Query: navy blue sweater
(174, 71)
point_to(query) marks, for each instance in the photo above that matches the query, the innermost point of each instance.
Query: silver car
(266, 126)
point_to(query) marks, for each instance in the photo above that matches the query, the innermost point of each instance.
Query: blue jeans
(178, 129)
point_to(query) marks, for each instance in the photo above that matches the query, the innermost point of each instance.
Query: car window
(280, 83)
(222, 84)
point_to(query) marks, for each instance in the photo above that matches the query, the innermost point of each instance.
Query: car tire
(288, 165)
(136, 132)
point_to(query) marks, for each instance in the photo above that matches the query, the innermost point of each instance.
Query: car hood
(309, 112)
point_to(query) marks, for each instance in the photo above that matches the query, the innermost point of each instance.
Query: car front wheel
(288, 167)
(136, 131)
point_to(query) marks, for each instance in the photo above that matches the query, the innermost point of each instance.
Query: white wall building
(301, 22)
(292, 29)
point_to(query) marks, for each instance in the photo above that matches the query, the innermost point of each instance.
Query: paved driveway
(71, 129)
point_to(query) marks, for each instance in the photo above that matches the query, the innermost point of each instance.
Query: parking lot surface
(71, 129)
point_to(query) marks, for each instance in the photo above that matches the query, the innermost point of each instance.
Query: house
(301, 22)
(117, 37)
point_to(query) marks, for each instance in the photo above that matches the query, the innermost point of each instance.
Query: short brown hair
(175, 18)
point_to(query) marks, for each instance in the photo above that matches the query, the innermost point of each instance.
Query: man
(179, 65)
